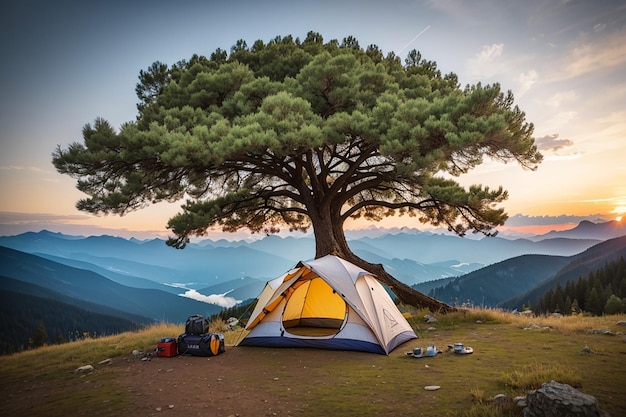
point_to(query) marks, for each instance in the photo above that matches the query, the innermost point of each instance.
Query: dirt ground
(241, 382)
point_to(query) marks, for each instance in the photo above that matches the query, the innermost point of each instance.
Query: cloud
(603, 52)
(526, 80)
(486, 63)
(23, 168)
(552, 143)
(556, 100)
(559, 121)
(9, 217)
(218, 299)
(492, 62)
(525, 220)
(15, 223)
(599, 27)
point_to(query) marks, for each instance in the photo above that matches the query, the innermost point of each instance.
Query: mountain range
(522, 280)
(142, 281)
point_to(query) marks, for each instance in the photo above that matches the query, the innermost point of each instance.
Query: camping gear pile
(195, 341)
(198, 341)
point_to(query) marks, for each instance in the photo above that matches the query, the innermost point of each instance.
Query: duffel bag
(196, 324)
(210, 344)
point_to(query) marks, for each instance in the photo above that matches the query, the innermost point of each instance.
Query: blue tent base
(328, 344)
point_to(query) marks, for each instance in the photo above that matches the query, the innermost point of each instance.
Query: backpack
(196, 324)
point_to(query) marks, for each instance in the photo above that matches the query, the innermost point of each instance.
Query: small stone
(430, 319)
(85, 369)
(432, 387)
(521, 403)
(621, 323)
(107, 361)
(501, 399)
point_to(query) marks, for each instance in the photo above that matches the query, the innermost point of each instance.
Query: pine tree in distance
(304, 134)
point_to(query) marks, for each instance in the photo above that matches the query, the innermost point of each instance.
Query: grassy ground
(508, 358)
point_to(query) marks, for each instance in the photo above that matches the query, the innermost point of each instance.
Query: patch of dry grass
(531, 376)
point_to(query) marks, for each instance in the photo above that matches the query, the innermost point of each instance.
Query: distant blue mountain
(522, 279)
(121, 277)
(154, 260)
(411, 256)
(590, 230)
(124, 282)
(87, 286)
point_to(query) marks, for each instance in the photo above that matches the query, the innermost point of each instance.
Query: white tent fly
(327, 303)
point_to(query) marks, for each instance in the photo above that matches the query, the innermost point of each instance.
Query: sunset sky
(66, 63)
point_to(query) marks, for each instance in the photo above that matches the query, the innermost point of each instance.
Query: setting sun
(620, 211)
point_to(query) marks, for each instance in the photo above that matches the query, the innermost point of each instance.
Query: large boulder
(554, 399)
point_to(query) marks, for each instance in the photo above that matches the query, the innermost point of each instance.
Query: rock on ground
(554, 399)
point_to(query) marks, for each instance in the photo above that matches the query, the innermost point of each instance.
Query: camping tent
(327, 303)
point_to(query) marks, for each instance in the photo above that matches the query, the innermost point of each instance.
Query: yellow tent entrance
(313, 308)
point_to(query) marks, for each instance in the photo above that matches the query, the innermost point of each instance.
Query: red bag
(167, 347)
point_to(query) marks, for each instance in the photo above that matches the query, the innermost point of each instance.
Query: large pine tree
(304, 134)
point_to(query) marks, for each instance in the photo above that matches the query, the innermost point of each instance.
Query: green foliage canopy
(296, 134)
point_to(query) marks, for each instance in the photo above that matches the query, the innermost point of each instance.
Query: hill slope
(89, 286)
(498, 282)
(21, 315)
(579, 265)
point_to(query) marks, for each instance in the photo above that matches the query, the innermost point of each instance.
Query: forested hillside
(600, 292)
(583, 265)
(27, 321)
(498, 282)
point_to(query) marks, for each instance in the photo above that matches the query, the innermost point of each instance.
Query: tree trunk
(330, 239)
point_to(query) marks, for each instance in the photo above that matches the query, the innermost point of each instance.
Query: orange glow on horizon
(538, 229)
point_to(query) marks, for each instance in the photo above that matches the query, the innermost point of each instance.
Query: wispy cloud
(14, 223)
(525, 220)
(525, 81)
(493, 63)
(218, 299)
(486, 63)
(558, 99)
(599, 54)
(23, 168)
(559, 121)
(7, 217)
